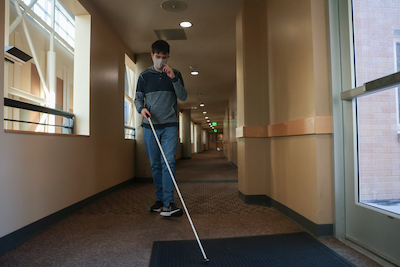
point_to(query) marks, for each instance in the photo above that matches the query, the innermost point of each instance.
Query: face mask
(157, 63)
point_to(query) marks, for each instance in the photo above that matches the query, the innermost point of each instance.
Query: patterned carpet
(119, 230)
(200, 198)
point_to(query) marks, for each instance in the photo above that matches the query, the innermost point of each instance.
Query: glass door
(372, 129)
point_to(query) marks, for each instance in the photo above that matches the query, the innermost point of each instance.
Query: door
(372, 128)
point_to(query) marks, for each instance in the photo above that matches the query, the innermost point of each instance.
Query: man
(157, 91)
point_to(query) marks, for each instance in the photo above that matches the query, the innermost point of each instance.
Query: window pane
(379, 150)
(376, 25)
(376, 35)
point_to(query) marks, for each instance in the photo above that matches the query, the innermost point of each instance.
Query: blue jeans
(162, 179)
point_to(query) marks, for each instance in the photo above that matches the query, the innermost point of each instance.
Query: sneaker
(157, 207)
(171, 211)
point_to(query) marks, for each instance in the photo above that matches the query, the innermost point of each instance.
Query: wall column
(186, 134)
(197, 138)
(252, 102)
(142, 163)
(205, 139)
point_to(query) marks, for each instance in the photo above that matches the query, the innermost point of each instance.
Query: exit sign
(214, 123)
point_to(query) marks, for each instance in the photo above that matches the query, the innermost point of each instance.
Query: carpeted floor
(118, 230)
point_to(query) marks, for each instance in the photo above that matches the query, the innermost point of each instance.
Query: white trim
(20, 93)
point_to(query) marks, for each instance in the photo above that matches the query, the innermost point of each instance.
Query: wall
(298, 70)
(230, 124)
(280, 104)
(42, 174)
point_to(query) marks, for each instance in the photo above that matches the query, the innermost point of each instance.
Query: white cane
(179, 193)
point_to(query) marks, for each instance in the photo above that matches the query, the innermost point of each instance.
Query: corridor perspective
(119, 230)
(287, 116)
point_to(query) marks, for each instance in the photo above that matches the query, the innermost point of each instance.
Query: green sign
(214, 123)
(215, 130)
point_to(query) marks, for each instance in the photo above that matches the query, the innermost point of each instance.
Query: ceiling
(209, 47)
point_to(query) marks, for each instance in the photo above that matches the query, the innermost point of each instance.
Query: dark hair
(160, 46)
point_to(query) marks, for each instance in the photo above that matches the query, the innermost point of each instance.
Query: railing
(130, 135)
(67, 126)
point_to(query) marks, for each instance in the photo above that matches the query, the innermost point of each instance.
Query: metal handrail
(133, 134)
(68, 125)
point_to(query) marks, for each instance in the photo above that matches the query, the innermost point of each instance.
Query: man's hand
(167, 69)
(145, 113)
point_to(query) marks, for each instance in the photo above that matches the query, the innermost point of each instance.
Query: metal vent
(171, 34)
(174, 6)
(13, 54)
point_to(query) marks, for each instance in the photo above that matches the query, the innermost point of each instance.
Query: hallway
(118, 230)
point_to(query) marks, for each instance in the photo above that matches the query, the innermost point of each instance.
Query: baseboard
(318, 230)
(233, 164)
(21, 235)
(255, 199)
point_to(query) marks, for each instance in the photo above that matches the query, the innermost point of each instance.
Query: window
(129, 108)
(65, 24)
(397, 57)
(64, 21)
(49, 81)
(377, 54)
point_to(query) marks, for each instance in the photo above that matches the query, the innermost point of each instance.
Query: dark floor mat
(295, 249)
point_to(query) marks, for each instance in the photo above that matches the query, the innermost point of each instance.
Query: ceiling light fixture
(186, 24)
(205, 117)
(204, 112)
(194, 72)
(201, 104)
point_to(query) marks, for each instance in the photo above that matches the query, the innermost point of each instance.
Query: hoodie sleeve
(179, 86)
(139, 96)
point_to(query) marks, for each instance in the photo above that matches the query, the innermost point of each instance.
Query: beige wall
(294, 85)
(230, 124)
(42, 174)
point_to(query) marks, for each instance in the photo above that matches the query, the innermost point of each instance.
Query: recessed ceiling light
(194, 72)
(185, 24)
(206, 117)
(204, 112)
(201, 104)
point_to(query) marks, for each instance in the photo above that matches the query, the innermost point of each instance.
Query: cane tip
(206, 260)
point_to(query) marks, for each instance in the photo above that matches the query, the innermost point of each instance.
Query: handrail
(68, 124)
(32, 107)
(133, 134)
(373, 86)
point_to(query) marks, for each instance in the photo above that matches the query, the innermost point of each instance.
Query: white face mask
(157, 63)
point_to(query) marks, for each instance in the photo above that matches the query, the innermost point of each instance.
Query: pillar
(186, 134)
(197, 138)
(205, 139)
(252, 102)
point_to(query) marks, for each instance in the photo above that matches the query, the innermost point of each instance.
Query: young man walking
(157, 91)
